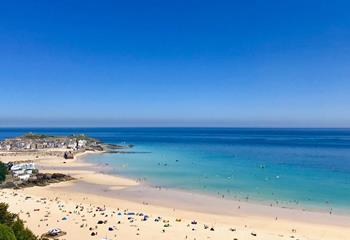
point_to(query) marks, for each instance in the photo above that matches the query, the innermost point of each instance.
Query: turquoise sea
(305, 168)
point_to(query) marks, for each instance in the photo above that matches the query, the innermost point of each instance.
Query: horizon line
(199, 127)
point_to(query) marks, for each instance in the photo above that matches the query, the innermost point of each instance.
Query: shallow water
(296, 167)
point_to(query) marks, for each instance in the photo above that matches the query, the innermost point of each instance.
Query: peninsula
(19, 154)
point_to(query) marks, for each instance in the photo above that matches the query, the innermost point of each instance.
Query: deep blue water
(299, 167)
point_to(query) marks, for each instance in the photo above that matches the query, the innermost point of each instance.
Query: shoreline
(267, 203)
(100, 188)
(138, 187)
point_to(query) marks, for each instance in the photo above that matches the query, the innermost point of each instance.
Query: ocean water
(304, 168)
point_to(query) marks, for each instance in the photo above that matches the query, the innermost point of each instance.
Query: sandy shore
(120, 205)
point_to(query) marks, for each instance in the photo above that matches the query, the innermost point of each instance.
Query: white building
(24, 177)
(82, 143)
(22, 169)
(72, 145)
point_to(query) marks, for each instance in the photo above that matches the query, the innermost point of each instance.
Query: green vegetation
(12, 227)
(82, 137)
(3, 172)
(79, 136)
(6, 233)
(36, 136)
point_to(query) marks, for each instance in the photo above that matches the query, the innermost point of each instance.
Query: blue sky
(175, 63)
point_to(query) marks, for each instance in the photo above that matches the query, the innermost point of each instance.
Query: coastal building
(24, 177)
(23, 169)
(35, 142)
(72, 144)
(82, 143)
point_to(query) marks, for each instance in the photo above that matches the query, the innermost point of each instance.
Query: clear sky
(175, 63)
